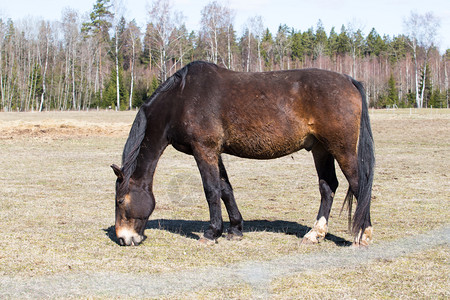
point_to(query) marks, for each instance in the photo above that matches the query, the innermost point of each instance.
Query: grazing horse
(205, 110)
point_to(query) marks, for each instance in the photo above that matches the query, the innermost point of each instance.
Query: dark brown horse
(204, 110)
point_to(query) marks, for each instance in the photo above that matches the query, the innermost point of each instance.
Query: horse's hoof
(311, 238)
(207, 242)
(234, 237)
(307, 241)
(361, 245)
(364, 240)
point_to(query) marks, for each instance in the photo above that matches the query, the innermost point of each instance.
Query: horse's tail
(366, 164)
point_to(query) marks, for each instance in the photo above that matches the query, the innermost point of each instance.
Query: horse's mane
(139, 127)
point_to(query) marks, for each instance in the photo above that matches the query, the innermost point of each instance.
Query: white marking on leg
(317, 233)
(366, 237)
(321, 228)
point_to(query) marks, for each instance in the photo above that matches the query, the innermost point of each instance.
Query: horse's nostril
(121, 242)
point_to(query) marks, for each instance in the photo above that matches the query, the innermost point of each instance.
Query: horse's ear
(117, 171)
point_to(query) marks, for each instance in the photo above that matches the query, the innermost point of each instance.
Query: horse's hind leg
(328, 184)
(236, 222)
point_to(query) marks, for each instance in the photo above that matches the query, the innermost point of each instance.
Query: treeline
(102, 60)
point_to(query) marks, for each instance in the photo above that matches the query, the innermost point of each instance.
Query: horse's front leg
(236, 222)
(207, 162)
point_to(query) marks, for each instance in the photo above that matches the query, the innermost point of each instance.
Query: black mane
(138, 129)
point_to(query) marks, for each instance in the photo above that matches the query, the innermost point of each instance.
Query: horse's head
(134, 205)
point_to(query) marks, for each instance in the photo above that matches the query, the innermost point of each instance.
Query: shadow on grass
(191, 229)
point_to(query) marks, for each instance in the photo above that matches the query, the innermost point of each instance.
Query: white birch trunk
(229, 47)
(416, 78)
(422, 92)
(132, 71)
(74, 97)
(116, 44)
(446, 81)
(248, 51)
(2, 90)
(44, 77)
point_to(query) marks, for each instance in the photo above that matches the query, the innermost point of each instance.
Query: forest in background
(102, 60)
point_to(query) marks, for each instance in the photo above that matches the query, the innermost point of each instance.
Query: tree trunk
(259, 55)
(248, 51)
(2, 90)
(74, 98)
(416, 76)
(423, 85)
(446, 81)
(133, 42)
(229, 47)
(117, 71)
(44, 77)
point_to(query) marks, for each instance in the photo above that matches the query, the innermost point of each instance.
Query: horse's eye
(120, 201)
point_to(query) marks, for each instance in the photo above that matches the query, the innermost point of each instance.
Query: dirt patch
(63, 128)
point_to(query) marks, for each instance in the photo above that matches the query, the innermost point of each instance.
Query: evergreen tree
(98, 28)
(308, 42)
(297, 47)
(100, 20)
(320, 41)
(437, 99)
(390, 97)
(397, 48)
(110, 94)
(374, 44)
(333, 42)
(267, 49)
(343, 42)
(392, 91)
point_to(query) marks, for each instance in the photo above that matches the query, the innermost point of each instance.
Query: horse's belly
(267, 147)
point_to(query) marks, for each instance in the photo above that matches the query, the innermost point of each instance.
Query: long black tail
(366, 164)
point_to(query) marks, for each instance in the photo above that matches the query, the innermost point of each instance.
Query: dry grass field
(57, 218)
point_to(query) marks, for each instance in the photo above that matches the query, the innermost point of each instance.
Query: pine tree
(320, 41)
(267, 49)
(297, 47)
(333, 42)
(308, 42)
(392, 91)
(343, 42)
(98, 28)
(374, 44)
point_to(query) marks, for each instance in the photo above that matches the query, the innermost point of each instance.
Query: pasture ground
(57, 217)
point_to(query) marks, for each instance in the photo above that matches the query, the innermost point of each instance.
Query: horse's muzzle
(129, 238)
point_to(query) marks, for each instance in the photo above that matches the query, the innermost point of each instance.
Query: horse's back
(268, 114)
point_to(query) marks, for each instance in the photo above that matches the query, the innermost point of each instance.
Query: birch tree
(44, 38)
(447, 92)
(165, 22)
(282, 45)
(216, 22)
(2, 42)
(98, 28)
(117, 17)
(71, 35)
(356, 41)
(134, 37)
(422, 31)
(255, 29)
